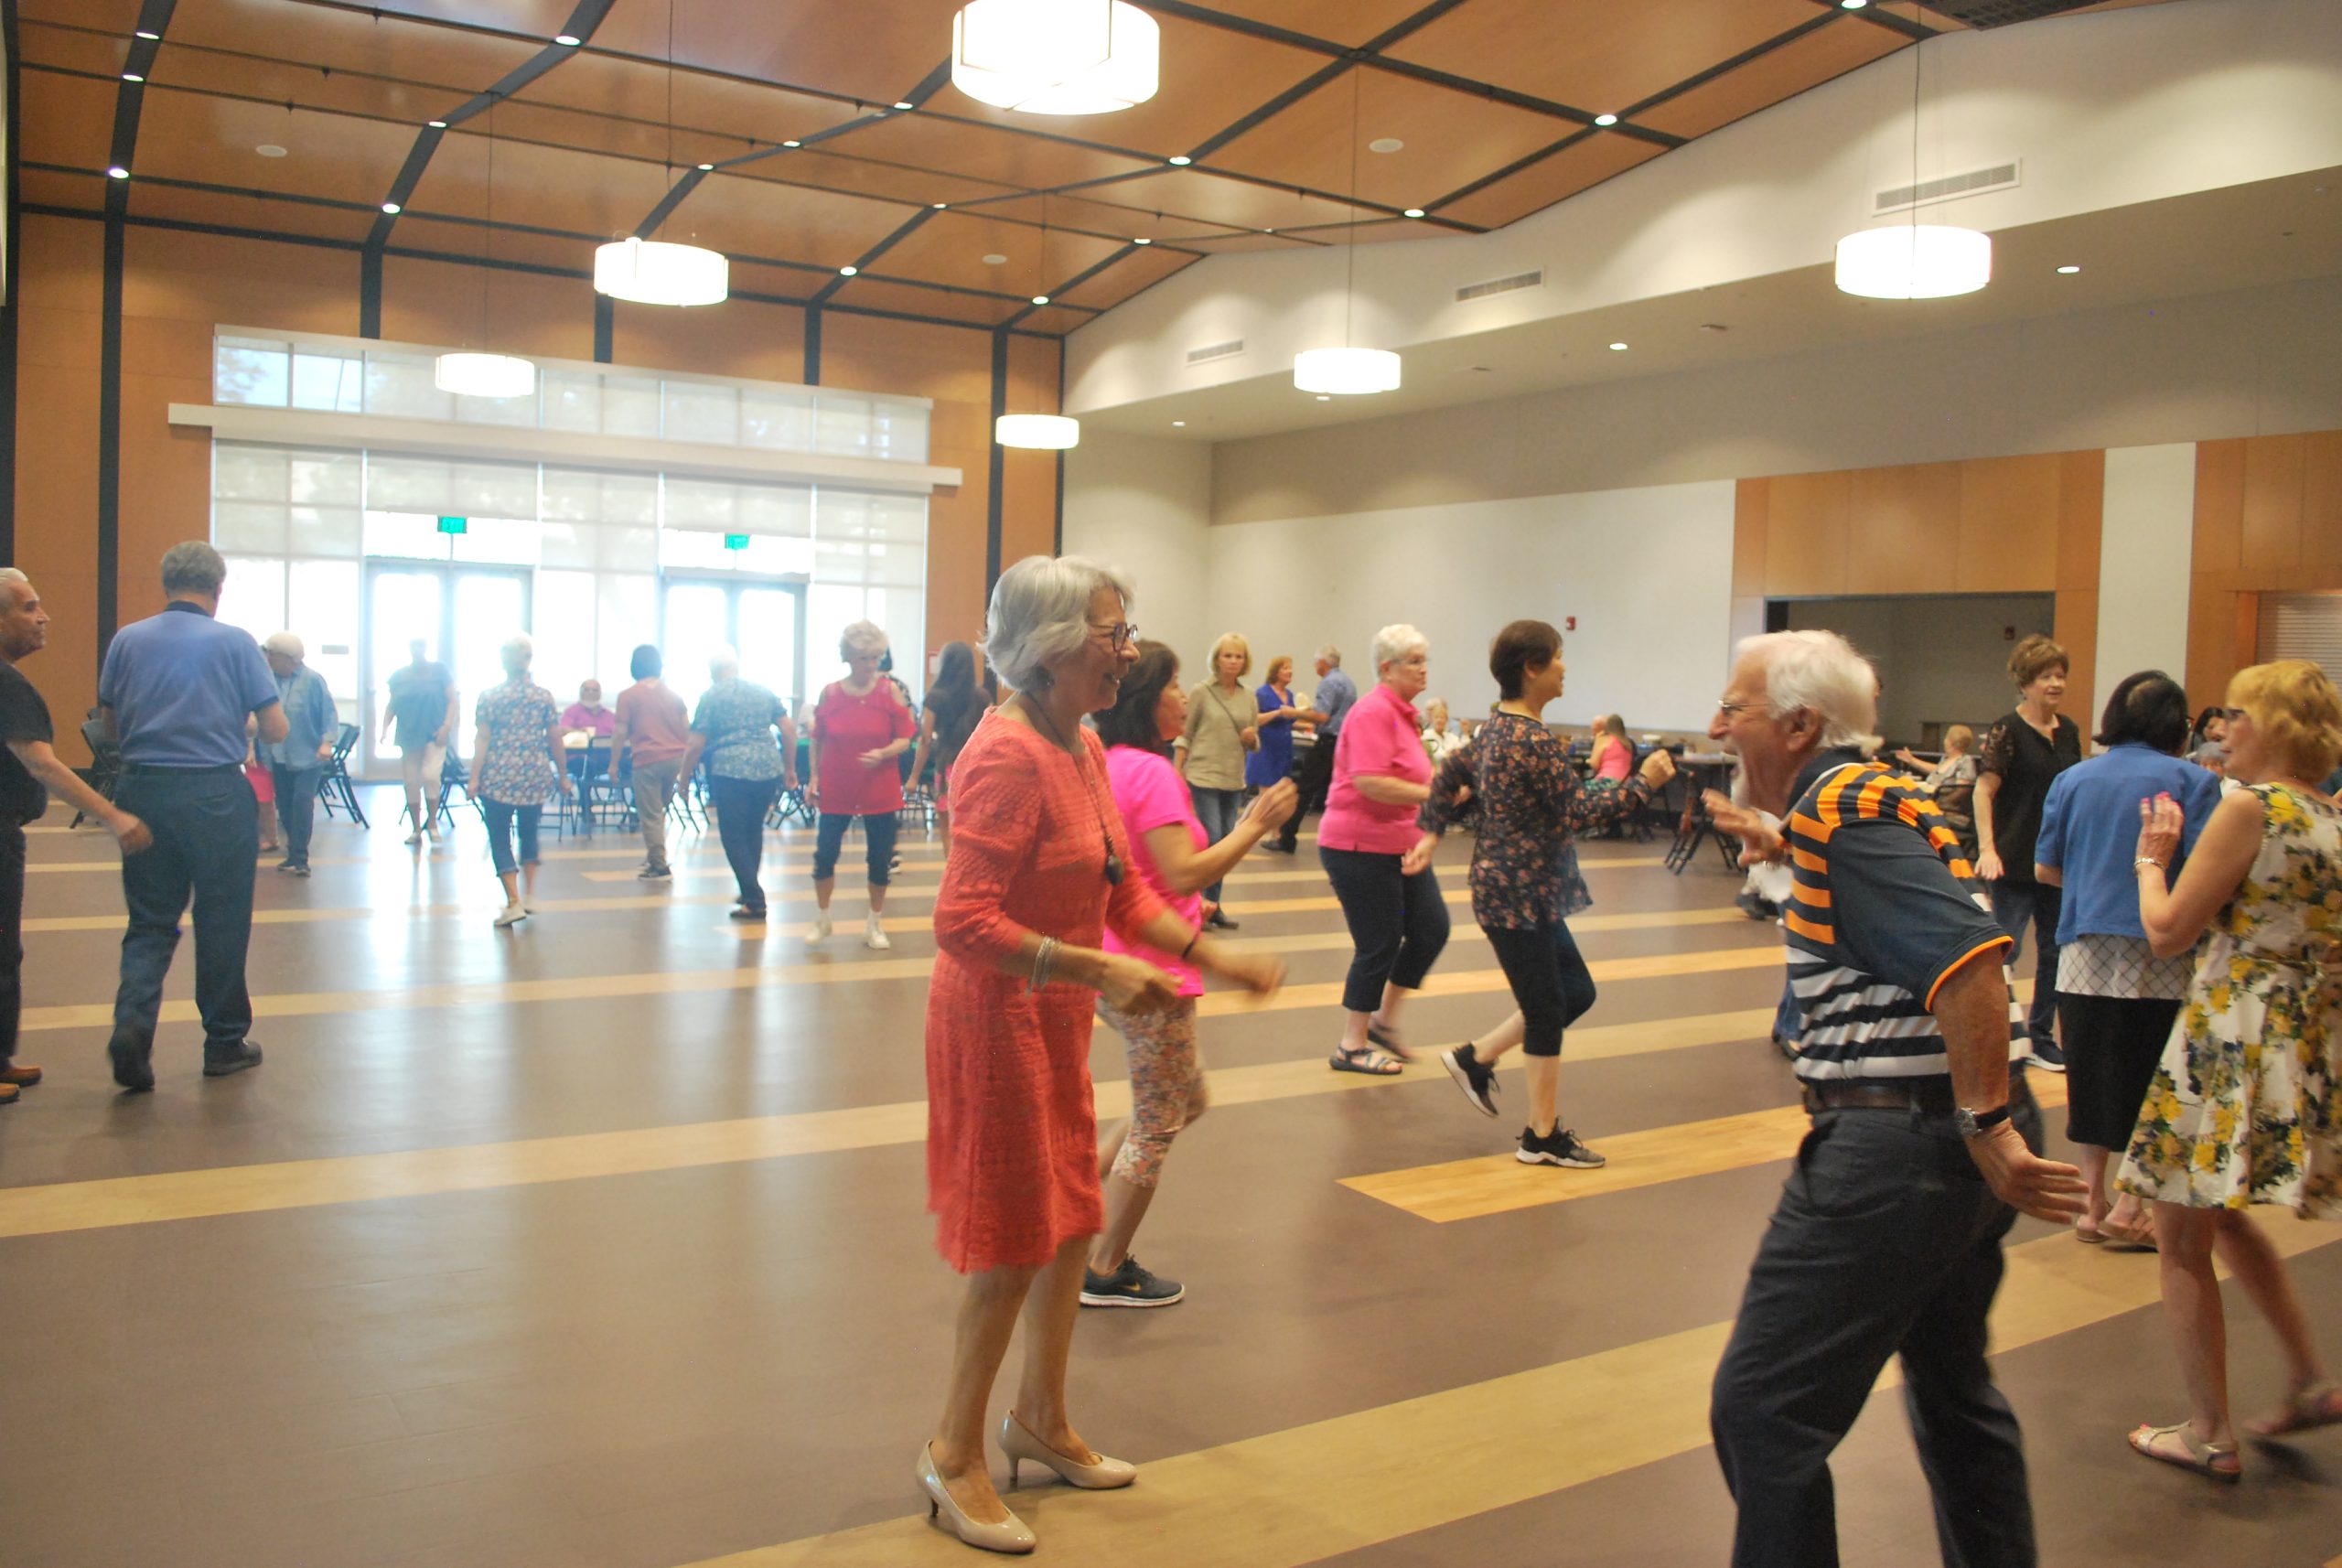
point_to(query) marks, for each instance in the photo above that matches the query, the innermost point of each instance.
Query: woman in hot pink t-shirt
(1176, 858)
(1367, 841)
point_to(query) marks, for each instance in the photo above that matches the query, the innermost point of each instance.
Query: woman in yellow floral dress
(2243, 1109)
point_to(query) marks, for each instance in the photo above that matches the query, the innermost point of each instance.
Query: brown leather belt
(1930, 1096)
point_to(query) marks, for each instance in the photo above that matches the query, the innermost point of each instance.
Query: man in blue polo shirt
(1329, 704)
(177, 690)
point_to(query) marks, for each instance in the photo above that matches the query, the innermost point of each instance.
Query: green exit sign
(735, 541)
(455, 525)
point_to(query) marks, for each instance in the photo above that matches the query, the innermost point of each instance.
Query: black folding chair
(105, 762)
(335, 786)
(454, 779)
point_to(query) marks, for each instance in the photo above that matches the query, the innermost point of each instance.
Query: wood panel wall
(2268, 520)
(1985, 525)
(176, 286)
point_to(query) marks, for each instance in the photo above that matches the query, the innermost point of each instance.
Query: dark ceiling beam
(862, 262)
(130, 100)
(1878, 16)
(1075, 282)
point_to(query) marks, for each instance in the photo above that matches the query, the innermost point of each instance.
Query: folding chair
(336, 785)
(105, 762)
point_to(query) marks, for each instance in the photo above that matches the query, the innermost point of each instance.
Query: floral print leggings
(1166, 1084)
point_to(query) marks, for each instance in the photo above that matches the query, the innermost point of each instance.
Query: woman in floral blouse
(517, 761)
(2242, 1110)
(1529, 801)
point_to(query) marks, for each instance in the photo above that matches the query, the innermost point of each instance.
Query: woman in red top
(859, 726)
(1040, 866)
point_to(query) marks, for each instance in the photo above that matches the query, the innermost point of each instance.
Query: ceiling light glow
(1180, 159)
(438, 124)
(567, 40)
(792, 143)
(116, 171)
(1141, 241)
(1037, 431)
(132, 76)
(269, 150)
(1346, 372)
(2069, 271)
(1617, 348)
(654, 272)
(484, 375)
(391, 208)
(848, 271)
(905, 105)
(1914, 261)
(1040, 299)
(1056, 57)
(1178, 424)
(1605, 119)
(150, 37)
(707, 168)
(1415, 212)
(1853, 5)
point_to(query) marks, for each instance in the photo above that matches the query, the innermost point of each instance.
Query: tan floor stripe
(1499, 1184)
(848, 874)
(304, 1183)
(1322, 941)
(1310, 1492)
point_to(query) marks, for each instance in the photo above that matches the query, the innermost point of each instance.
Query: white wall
(1648, 573)
(2145, 553)
(1146, 506)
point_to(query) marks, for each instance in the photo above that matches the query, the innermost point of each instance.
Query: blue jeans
(501, 817)
(296, 808)
(2013, 904)
(206, 840)
(1217, 810)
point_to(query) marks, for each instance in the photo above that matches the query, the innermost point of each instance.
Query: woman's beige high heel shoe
(1016, 1440)
(1011, 1534)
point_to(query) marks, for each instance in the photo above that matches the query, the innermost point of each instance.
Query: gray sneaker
(219, 1063)
(654, 874)
(1130, 1285)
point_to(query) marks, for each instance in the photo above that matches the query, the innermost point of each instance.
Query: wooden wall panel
(2269, 534)
(2268, 520)
(2220, 504)
(2076, 618)
(738, 338)
(2082, 516)
(2322, 499)
(2008, 511)
(60, 276)
(1904, 529)
(498, 312)
(1750, 501)
(1805, 534)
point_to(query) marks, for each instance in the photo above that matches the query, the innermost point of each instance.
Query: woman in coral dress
(2243, 1109)
(1040, 866)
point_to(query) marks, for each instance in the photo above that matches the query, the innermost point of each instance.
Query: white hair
(1331, 655)
(1041, 611)
(1820, 672)
(286, 643)
(518, 651)
(11, 576)
(722, 655)
(1394, 643)
(864, 637)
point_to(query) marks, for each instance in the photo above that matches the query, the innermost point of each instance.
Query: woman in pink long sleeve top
(1367, 843)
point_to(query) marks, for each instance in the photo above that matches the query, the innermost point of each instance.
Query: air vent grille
(1210, 351)
(1901, 197)
(1500, 286)
(2002, 13)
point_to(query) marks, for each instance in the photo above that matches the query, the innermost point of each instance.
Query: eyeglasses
(1727, 708)
(1119, 634)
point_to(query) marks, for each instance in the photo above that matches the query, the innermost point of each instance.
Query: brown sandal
(2204, 1458)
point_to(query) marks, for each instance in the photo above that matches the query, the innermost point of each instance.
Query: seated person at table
(587, 715)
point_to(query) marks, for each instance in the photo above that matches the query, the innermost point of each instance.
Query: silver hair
(1041, 611)
(10, 575)
(1394, 643)
(518, 651)
(286, 643)
(864, 637)
(722, 655)
(193, 567)
(1331, 655)
(1820, 672)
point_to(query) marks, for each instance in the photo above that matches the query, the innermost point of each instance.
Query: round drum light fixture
(1056, 57)
(656, 271)
(1346, 372)
(1914, 261)
(1037, 431)
(484, 375)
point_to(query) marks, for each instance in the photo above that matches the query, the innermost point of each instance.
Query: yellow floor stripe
(303, 1183)
(1307, 1493)
(1478, 982)
(1321, 941)
(1498, 1184)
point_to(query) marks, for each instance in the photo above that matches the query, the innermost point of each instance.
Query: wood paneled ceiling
(778, 133)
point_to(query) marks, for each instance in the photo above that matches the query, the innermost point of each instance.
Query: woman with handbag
(1223, 726)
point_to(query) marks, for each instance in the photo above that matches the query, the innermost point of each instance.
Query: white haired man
(29, 769)
(1886, 1240)
(1329, 704)
(298, 763)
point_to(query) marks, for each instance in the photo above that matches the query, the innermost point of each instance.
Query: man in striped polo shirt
(1886, 1240)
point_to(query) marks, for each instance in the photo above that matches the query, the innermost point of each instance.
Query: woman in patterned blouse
(1517, 776)
(517, 761)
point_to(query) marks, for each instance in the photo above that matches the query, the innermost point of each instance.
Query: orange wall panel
(2322, 499)
(1750, 501)
(2076, 618)
(1904, 529)
(739, 338)
(2008, 513)
(486, 310)
(2220, 504)
(2269, 533)
(1805, 534)
(2081, 518)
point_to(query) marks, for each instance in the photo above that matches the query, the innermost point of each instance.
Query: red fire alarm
(1569, 623)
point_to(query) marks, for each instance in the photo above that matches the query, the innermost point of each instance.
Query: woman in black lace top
(1515, 775)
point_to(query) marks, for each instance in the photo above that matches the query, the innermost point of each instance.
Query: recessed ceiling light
(1853, 5)
(1325, 397)
(567, 40)
(269, 150)
(143, 33)
(438, 124)
(1178, 424)
(132, 76)
(995, 259)
(116, 171)
(1617, 348)
(1268, 231)
(2069, 269)
(391, 206)
(848, 271)
(1141, 241)
(792, 143)
(942, 206)
(1605, 119)
(905, 105)
(1182, 160)
(707, 168)
(1385, 145)
(1415, 212)
(1040, 299)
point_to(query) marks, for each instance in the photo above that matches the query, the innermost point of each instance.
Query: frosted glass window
(564, 633)
(408, 535)
(250, 371)
(777, 508)
(582, 496)
(572, 402)
(690, 550)
(335, 382)
(627, 549)
(781, 421)
(630, 406)
(699, 411)
(627, 616)
(322, 610)
(518, 410)
(497, 541)
(248, 473)
(899, 431)
(249, 528)
(494, 490)
(326, 530)
(771, 556)
(830, 608)
(401, 386)
(252, 596)
(324, 478)
(702, 504)
(408, 484)
(903, 612)
(842, 425)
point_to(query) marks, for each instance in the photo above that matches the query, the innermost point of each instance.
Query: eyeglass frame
(1120, 634)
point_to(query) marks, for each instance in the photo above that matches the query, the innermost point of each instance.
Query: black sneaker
(654, 874)
(1559, 1148)
(1474, 1077)
(1130, 1285)
(134, 1066)
(1756, 906)
(302, 869)
(219, 1064)
(743, 912)
(2047, 1056)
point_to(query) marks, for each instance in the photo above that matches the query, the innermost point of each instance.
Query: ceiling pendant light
(662, 272)
(1914, 260)
(472, 373)
(1039, 432)
(1348, 371)
(1056, 57)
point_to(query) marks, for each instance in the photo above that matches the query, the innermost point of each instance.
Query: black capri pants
(877, 832)
(1398, 923)
(1551, 983)
(2113, 1044)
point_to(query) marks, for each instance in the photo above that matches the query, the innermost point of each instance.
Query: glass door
(758, 621)
(458, 615)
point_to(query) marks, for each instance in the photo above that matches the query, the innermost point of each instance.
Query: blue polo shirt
(1335, 695)
(2090, 831)
(181, 685)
